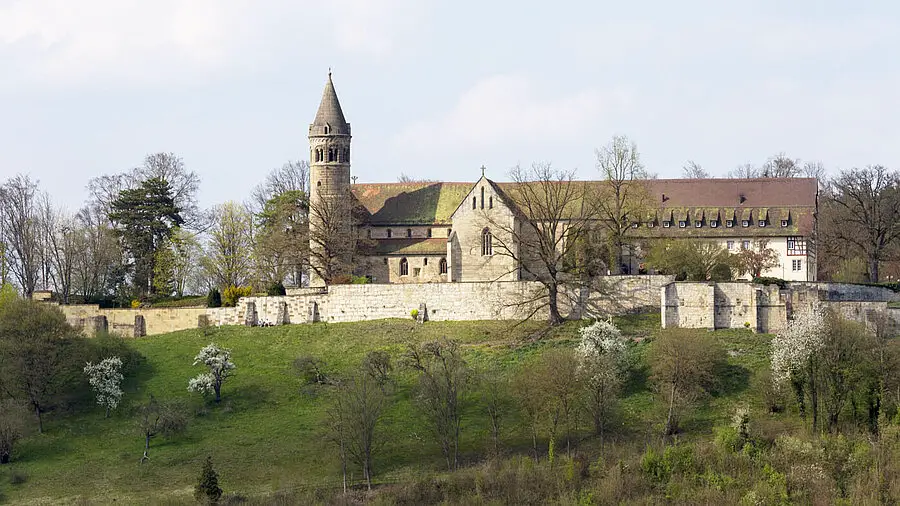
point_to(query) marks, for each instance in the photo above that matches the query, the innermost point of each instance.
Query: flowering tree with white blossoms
(795, 353)
(106, 381)
(602, 362)
(218, 360)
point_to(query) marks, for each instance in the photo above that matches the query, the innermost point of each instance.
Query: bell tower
(331, 234)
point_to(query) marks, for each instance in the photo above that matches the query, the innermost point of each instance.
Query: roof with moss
(424, 203)
(434, 246)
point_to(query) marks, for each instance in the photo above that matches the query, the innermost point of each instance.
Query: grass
(267, 434)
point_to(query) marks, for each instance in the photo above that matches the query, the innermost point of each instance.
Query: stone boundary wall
(767, 308)
(350, 303)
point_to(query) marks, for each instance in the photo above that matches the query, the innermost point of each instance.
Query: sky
(436, 89)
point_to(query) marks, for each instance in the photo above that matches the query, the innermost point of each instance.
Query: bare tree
(781, 165)
(20, 230)
(745, 171)
(404, 178)
(159, 418)
(866, 205)
(622, 196)
(333, 245)
(228, 256)
(757, 259)
(293, 176)
(358, 406)
(553, 217)
(693, 170)
(98, 255)
(443, 380)
(60, 242)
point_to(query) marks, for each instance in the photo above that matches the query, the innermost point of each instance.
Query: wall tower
(331, 232)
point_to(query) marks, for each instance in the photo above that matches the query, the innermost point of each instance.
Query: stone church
(435, 232)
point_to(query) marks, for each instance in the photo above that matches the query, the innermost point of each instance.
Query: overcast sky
(436, 89)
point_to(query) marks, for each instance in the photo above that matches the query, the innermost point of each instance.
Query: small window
(417, 271)
(409, 232)
(698, 223)
(318, 183)
(651, 224)
(491, 202)
(385, 261)
(745, 244)
(442, 266)
(667, 224)
(713, 223)
(729, 223)
(404, 267)
(449, 231)
(796, 265)
(682, 224)
(390, 233)
(745, 223)
(429, 232)
(730, 244)
(474, 202)
(635, 225)
(425, 261)
(784, 223)
(482, 197)
(327, 129)
(762, 223)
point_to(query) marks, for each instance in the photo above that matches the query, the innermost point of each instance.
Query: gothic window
(482, 197)
(425, 261)
(442, 266)
(491, 202)
(404, 267)
(409, 232)
(487, 242)
(474, 202)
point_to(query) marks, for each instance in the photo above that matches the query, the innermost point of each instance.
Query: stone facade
(766, 308)
(351, 303)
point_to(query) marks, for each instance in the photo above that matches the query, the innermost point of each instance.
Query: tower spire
(330, 113)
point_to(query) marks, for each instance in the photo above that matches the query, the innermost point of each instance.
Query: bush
(135, 304)
(310, 369)
(214, 298)
(359, 280)
(415, 314)
(234, 293)
(770, 281)
(276, 290)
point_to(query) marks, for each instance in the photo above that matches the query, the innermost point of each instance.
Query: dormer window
(713, 223)
(762, 223)
(682, 224)
(635, 225)
(698, 224)
(784, 223)
(729, 223)
(667, 224)
(651, 224)
(745, 223)
(327, 129)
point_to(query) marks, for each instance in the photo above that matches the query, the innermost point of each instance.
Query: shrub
(207, 490)
(763, 280)
(135, 304)
(234, 293)
(359, 280)
(310, 369)
(276, 289)
(415, 314)
(214, 298)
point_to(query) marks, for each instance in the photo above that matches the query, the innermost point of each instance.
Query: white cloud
(64, 42)
(507, 109)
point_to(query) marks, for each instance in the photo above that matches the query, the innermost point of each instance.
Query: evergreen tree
(207, 489)
(145, 217)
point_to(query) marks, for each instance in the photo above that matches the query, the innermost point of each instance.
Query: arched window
(409, 232)
(487, 242)
(404, 267)
(327, 129)
(491, 202)
(482, 197)
(442, 266)
(474, 202)
(331, 155)
(429, 232)
(425, 261)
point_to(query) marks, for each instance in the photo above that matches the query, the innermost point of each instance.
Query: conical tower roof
(329, 114)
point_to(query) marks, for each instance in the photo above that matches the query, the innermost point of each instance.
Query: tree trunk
(218, 388)
(37, 413)
(670, 418)
(873, 269)
(553, 295)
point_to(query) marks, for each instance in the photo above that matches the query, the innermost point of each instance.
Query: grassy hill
(267, 434)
